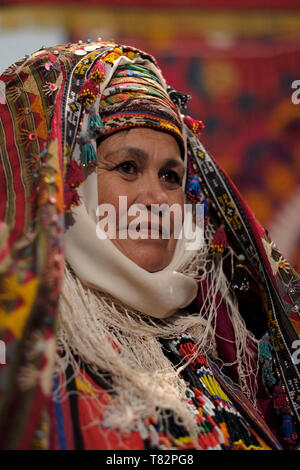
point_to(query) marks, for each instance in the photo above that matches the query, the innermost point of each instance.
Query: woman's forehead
(141, 143)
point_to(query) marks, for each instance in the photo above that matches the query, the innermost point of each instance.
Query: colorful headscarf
(49, 110)
(135, 97)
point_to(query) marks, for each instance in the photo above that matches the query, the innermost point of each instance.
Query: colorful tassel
(95, 124)
(88, 92)
(288, 431)
(193, 188)
(240, 279)
(265, 348)
(219, 242)
(265, 357)
(88, 152)
(71, 198)
(98, 72)
(74, 174)
(194, 125)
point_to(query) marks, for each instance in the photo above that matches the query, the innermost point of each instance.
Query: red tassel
(88, 92)
(71, 198)
(74, 176)
(98, 72)
(195, 126)
(219, 242)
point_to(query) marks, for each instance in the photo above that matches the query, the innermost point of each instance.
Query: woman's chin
(151, 265)
(152, 260)
(152, 256)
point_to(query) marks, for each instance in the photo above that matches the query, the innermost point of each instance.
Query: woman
(121, 342)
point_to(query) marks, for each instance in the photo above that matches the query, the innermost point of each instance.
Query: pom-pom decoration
(194, 125)
(88, 92)
(193, 188)
(74, 177)
(288, 431)
(98, 72)
(74, 174)
(71, 198)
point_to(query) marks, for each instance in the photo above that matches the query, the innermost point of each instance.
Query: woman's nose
(152, 191)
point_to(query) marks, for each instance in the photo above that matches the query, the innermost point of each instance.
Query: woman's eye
(127, 167)
(172, 177)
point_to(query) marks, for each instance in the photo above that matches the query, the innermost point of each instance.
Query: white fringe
(113, 338)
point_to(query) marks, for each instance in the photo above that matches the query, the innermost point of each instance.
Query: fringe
(113, 338)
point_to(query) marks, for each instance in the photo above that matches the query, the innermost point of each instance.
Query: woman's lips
(148, 227)
(145, 227)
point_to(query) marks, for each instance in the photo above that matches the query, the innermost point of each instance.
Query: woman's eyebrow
(174, 163)
(143, 157)
(130, 151)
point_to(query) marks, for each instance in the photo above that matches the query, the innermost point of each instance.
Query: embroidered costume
(101, 354)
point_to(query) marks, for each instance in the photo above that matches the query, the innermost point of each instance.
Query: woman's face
(145, 165)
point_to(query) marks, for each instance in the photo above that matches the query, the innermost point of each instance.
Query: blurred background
(238, 59)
